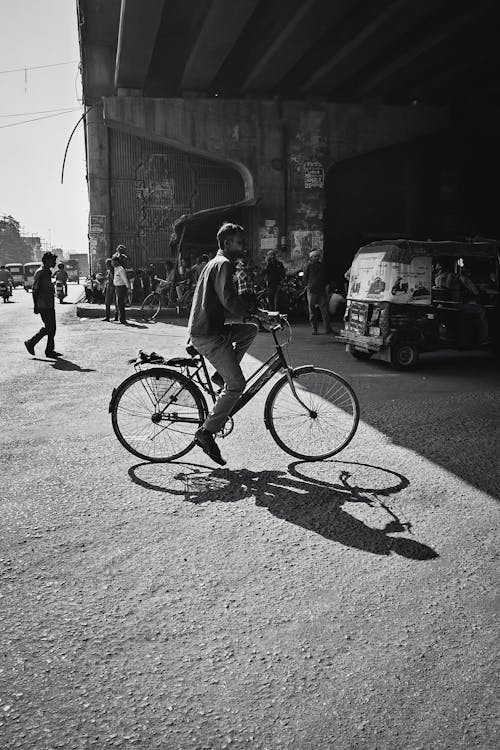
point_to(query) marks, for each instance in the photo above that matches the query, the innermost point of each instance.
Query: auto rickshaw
(407, 297)
(16, 271)
(29, 270)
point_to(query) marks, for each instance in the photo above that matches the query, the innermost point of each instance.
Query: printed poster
(373, 278)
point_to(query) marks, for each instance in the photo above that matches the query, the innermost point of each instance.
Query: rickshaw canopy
(400, 271)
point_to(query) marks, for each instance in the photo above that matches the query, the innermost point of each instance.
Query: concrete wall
(282, 150)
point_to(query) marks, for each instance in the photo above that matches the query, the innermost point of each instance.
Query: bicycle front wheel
(151, 306)
(317, 418)
(155, 414)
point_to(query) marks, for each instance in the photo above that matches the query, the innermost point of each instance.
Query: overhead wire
(38, 67)
(35, 119)
(40, 112)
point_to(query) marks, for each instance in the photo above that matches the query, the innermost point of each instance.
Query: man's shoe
(206, 441)
(29, 346)
(53, 355)
(218, 380)
(314, 331)
(105, 320)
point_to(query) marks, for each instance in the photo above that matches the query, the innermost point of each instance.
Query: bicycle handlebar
(273, 316)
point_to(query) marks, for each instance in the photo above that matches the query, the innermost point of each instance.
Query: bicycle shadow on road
(314, 505)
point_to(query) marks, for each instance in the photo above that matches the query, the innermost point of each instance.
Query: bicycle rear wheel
(155, 414)
(151, 306)
(319, 421)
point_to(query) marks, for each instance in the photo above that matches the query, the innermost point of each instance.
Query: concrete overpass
(296, 104)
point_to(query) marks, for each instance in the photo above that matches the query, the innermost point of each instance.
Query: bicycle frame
(255, 382)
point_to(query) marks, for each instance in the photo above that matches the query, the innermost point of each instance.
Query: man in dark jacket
(314, 280)
(223, 344)
(43, 301)
(274, 272)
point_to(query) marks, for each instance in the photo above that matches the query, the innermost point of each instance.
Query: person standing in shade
(109, 291)
(314, 280)
(43, 302)
(122, 287)
(274, 272)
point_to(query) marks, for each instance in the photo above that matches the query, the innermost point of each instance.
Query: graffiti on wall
(155, 193)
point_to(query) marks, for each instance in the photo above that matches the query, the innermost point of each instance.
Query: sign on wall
(97, 224)
(314, 174)
(269, 235)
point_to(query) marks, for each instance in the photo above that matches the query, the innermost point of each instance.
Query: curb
(89, 310)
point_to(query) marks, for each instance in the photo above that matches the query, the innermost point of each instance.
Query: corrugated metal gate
(153, 184)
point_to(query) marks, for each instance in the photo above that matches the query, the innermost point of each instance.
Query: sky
(38, 33)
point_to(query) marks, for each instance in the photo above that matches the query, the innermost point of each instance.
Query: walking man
(314, 280)
(122, 286)
(223, 344)
(43, 302)
(109, 291)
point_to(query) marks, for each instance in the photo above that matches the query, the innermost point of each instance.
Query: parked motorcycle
(60, 291)
(5, 290)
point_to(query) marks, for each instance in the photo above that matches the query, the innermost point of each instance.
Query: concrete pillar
(100, 219)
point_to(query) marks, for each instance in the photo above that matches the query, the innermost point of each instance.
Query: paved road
(269, 604)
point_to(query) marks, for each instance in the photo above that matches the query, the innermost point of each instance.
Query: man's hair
(227, 231)
(48, 256)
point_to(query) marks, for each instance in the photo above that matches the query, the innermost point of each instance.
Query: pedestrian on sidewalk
(43, 305)
(122, 287)
(223, 344)
(314, 280)
(109, 291)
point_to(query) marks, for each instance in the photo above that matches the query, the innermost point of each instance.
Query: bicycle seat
(183, 362)
(191, 350)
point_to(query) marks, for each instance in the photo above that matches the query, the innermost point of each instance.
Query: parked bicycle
(292, 298)
(311, 412)
(165, 295)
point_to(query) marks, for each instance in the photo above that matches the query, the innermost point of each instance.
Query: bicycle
(311, 412)
(165, 295)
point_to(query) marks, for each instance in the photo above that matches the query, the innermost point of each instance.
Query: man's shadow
(64, 364)
(313, 504)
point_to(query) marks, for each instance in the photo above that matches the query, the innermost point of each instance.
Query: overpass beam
(352, 45)
(224, 22)
(139, 23)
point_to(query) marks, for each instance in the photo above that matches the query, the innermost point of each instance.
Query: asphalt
(346, 604)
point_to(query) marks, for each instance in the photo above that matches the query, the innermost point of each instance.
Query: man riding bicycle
(223, 344)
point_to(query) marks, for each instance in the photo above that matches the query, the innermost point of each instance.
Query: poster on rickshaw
(374, 278)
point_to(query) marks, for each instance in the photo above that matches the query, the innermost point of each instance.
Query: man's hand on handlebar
(272, 316)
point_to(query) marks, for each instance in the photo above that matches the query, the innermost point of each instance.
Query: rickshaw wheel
(404, 356)
(359, 353)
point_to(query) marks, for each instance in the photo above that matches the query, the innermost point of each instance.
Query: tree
(13, 249)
